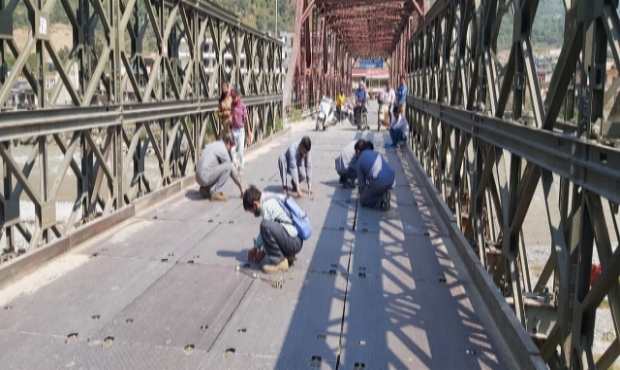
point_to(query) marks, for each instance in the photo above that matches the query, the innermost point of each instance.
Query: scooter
(383, 117)
(326, 114)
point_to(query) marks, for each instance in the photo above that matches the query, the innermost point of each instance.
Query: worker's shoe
(219, 196)
(205, 192)
(291, 259)
(385, 200)
(274, 269)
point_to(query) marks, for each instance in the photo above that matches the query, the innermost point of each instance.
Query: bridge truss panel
(490, 140)
(331, 35)
(125, 110)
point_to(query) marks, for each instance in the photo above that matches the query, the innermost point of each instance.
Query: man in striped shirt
(278, 239)
(240, 121)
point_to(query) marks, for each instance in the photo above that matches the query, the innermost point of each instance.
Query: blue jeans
(397, 136)
(239, 135)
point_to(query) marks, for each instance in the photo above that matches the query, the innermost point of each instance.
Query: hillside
(260, 14)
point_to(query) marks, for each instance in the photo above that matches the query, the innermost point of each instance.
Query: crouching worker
(345, 164)
(282, 231)
(214, 168)
(296, 161)
(398, 128)
(375, 177)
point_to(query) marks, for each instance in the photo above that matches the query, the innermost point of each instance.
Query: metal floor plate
(415, 325)
(188, 306)
(298, 322)
(21, 351)
(85, 300)
(226, 245)
(96, 355)
(153, 239)
(192, 207)
(218, 361)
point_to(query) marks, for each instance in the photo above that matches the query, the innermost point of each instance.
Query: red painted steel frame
(331, 35)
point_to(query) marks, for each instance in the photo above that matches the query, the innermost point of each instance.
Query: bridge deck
(163, 292)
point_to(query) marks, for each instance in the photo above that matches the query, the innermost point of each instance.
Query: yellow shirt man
(340, 100)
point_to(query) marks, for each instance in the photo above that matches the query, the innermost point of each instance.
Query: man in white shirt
(390, 99)
(398, 128)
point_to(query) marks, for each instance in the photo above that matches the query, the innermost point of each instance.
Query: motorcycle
(361, 117)
(326, 114)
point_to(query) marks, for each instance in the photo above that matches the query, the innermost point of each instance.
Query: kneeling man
(375, 177)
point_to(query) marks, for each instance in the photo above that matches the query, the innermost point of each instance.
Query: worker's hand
(252, 254)
(242, 191)
(310, 191)
(249, 141)
(298, 192)
(259, 256)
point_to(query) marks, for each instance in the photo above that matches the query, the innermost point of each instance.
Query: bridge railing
(521, 179)
(122, 111)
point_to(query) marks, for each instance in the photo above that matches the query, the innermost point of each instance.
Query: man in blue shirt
(375, 177)
(360, 95)
(401, 95)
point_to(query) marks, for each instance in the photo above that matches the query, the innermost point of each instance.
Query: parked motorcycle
(361, 117)
(326, 114)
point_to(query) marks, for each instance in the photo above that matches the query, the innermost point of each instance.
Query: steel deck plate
(297, 322)
(21, 351)
(192, 207)
(226, 245)
(153, 239)
(188, 306)
(96, 355)
(102, 287)
(415, 325)
(217, 361)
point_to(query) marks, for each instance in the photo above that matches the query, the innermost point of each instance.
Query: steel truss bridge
(115, 123)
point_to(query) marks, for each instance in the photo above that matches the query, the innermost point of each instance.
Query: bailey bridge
(500, 250)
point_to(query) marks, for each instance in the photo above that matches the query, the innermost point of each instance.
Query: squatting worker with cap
(215, 167)
(295, 161)
(278, 239)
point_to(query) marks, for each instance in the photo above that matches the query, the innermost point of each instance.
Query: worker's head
(388, 86)
(402, 80)
(304, 145)
(229, 141)
(362, 145)
(341, 91)
(251, 200)
(234, 94)
(396, 111)
(225, 87)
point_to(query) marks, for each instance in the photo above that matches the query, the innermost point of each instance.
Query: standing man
(398, 128)
(295, 161)
(215, 167)
(240, 122)
(345, 164)
(225, 110)
(401, 95)
(374, 176)
(278, 239)
(339, 103)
